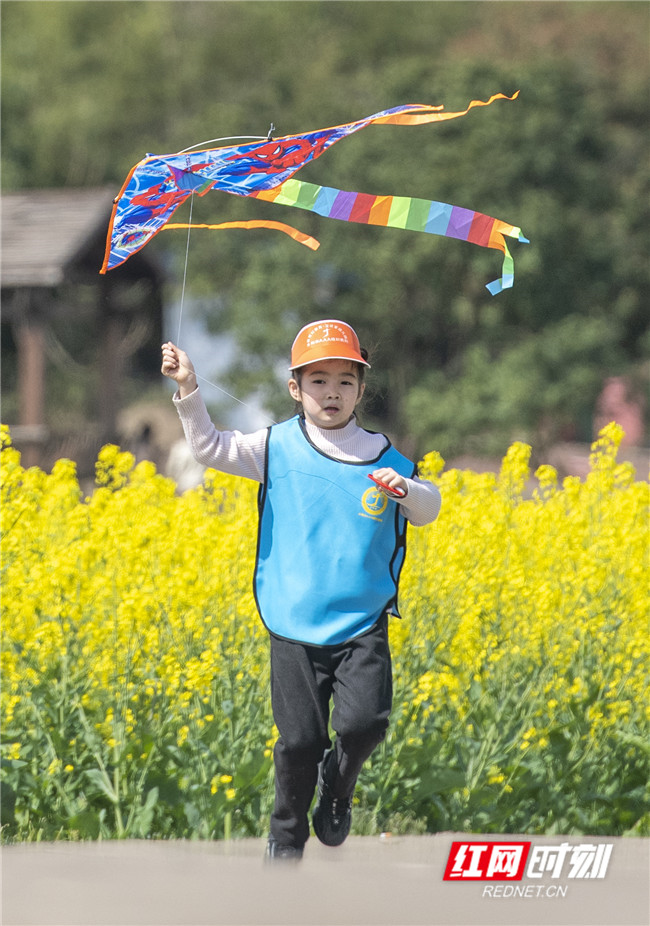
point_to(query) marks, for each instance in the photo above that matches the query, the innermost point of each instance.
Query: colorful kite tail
(421, 215)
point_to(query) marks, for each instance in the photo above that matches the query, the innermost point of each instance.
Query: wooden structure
(52, 248)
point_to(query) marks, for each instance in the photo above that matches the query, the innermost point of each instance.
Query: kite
(156, 187)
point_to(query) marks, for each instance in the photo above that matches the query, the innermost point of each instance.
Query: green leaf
(102, 783)
(86, 823)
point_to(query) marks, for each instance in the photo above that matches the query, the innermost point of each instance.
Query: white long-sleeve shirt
(245, 454)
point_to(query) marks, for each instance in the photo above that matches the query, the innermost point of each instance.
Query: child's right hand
(178, 366)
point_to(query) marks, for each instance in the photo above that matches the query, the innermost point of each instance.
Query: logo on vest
(374, 504)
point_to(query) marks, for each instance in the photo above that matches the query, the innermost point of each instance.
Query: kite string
(234, 398)
(187, 251)
(180, 319)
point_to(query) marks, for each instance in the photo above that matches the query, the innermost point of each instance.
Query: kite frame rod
(211, 141)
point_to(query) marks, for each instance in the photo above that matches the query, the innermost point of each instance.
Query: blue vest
(330, 544)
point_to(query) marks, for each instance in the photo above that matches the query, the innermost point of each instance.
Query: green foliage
(551, 372)
(454, 368)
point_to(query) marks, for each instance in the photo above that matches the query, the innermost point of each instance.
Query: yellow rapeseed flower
(524, 611)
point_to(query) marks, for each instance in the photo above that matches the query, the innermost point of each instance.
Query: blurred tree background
(88, 88)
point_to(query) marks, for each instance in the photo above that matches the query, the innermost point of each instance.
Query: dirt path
(396, 881)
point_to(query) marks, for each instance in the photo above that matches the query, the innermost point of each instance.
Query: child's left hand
(393, 480)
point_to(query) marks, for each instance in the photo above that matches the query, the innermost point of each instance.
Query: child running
(330, 548)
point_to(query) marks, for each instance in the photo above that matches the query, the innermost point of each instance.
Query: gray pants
(357, 676)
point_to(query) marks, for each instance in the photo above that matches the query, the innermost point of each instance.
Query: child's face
(329, 390)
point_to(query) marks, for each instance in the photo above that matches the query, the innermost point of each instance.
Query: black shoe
(332, 815)
(275, 852)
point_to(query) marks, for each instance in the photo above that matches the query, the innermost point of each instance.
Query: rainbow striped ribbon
(421, 215)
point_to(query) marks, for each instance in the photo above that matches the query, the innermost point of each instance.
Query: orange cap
(329, 339)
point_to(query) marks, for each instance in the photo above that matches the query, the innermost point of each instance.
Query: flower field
(135, 695)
